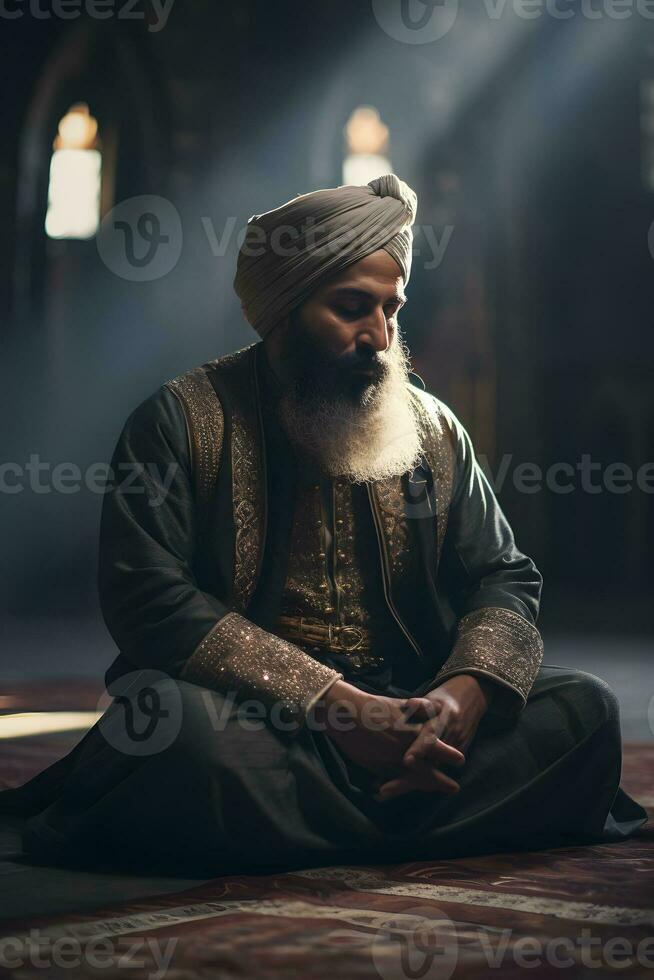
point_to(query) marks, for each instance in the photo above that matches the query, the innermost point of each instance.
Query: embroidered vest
(222, 396)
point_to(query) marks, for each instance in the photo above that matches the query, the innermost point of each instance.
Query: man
(307, 534)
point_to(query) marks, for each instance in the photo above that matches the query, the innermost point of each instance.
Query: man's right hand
(375, 731)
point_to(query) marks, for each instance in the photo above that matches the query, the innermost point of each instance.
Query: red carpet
(571, 912)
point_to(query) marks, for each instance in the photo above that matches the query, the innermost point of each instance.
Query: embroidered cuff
(501, 645)
(236, 655)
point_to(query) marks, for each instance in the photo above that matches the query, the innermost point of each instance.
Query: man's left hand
(452, 715)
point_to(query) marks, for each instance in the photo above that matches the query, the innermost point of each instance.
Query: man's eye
(349, 312)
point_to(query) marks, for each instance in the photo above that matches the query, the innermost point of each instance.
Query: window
(367, 146)
(75, 177)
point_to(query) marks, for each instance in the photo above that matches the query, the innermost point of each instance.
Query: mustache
(369, 360)
(319, 373)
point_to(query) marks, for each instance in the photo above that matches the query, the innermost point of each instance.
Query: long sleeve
(149, 597)
(238, 655)
(493, 587)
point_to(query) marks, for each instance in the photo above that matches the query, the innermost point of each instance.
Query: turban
(289, 251)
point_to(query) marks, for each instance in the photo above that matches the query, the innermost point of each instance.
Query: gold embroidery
(439, 449)
(205, 427)
(499, 643)
(236, 655)
(204, 417)
(237, 372)
(248, 509)
(352, 609)
(319, 608)
(307, 591)
(396, 514)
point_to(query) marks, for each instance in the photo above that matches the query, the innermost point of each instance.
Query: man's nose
(375, 333)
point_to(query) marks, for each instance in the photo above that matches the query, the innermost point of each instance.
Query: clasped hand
(418, 737)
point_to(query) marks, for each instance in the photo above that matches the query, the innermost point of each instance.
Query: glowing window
(367, 146)
(75, 177)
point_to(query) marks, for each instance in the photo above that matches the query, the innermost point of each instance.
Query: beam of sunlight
(27, 723)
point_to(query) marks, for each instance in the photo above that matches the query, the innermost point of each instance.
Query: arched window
(75, 177)
(366, 146)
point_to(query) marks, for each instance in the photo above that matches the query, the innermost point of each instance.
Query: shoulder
(158, 410)
(187, 404)
(200, 389)
(438, 414)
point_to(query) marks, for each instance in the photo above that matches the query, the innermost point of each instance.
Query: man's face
(345, 368)
(335, 343)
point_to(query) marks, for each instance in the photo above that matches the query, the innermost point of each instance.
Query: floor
(570, 911)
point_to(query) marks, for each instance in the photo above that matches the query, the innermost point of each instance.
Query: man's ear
(280, 327)
(273, 339)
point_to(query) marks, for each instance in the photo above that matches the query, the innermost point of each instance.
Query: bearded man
(308, 533)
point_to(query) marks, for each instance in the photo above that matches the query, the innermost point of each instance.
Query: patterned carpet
(571, 912)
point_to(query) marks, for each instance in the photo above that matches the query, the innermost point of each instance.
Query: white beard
(372, 440)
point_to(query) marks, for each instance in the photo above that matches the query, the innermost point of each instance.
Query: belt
(353, 641)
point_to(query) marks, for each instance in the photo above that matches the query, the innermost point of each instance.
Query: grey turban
(289, 251)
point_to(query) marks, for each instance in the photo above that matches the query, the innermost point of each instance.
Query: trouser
(208, 790)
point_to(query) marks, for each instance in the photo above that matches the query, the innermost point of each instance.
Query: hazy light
(77, 130)
(367, 143)
(364, 167)
(44, 722)
(75, 177)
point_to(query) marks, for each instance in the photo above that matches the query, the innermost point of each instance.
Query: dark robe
(206, 792)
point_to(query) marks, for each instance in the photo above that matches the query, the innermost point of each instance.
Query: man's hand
(374, 731)
(460, 702)
(450, 715)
